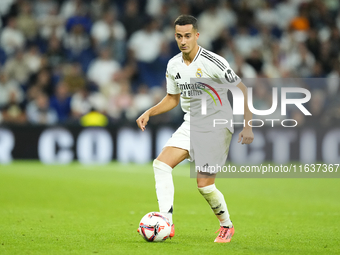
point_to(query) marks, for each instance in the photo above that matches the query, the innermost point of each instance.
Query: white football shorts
(205, 148)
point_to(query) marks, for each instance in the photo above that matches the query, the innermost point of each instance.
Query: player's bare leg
(206, 186)
(163, 165)
(172, 156)
(204, 179)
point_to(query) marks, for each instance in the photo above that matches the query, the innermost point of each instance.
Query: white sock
(217, 203)
(164, 188)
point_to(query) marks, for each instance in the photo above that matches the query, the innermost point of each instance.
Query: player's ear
(197, 35)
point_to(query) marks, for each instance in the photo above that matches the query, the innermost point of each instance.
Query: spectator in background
(184, 8)
(77, 41)
(5, 6)
(266, 16)
(108, 31)
(288, 44)
(228, 50)
(300, 24)
(51, 25)
(10, 91)
(256, 61)
(80, 103)
(141, 101)
(104, 68)
(222, 42)
(84, 101)
(74, 77)
(112, 90)
(122, 103)
(43, 7)
(61, 102)
(212, 22)
(173, 116)
(80, 17)
(299, 60)
(12, 38)
(13, 112)
(17, 69)
(55, 52)
(153, 7)
(244, 42)
(304, 61)
(318, 15)
(196, 7)
(111, 96)
(333, 80)
(131, 19)
(39, 111)
(145, 46)
(313, 43)
(32, 58)
(245, 13)
(271, 67)
(27, 23)
(99, 7)
(285, 12)
(69, 8)
(40, 82)
(242, 68)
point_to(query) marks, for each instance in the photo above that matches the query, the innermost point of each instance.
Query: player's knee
(160, 166)
(157, 163)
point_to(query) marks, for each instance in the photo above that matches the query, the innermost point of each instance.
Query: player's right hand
(142, 121)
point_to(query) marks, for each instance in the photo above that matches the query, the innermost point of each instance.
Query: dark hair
(186, 20)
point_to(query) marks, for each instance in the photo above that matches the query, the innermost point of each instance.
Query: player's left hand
(246, 136)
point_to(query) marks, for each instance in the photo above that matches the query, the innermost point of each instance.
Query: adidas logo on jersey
(178, 76)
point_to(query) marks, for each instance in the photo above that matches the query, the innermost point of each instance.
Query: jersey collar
(197, 54)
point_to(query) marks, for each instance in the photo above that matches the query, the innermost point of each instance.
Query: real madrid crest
(199, 73)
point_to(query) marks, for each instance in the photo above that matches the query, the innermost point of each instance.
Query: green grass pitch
(77, 209)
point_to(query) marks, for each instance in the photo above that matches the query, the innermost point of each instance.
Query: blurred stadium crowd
(60, 60)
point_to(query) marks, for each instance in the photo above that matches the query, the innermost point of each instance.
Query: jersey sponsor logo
(189, 90)
(196, 90)
(187, 86)
(230, 76)
(178, 76)
(199, 73)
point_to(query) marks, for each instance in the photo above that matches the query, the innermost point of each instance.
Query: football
(154, 227)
